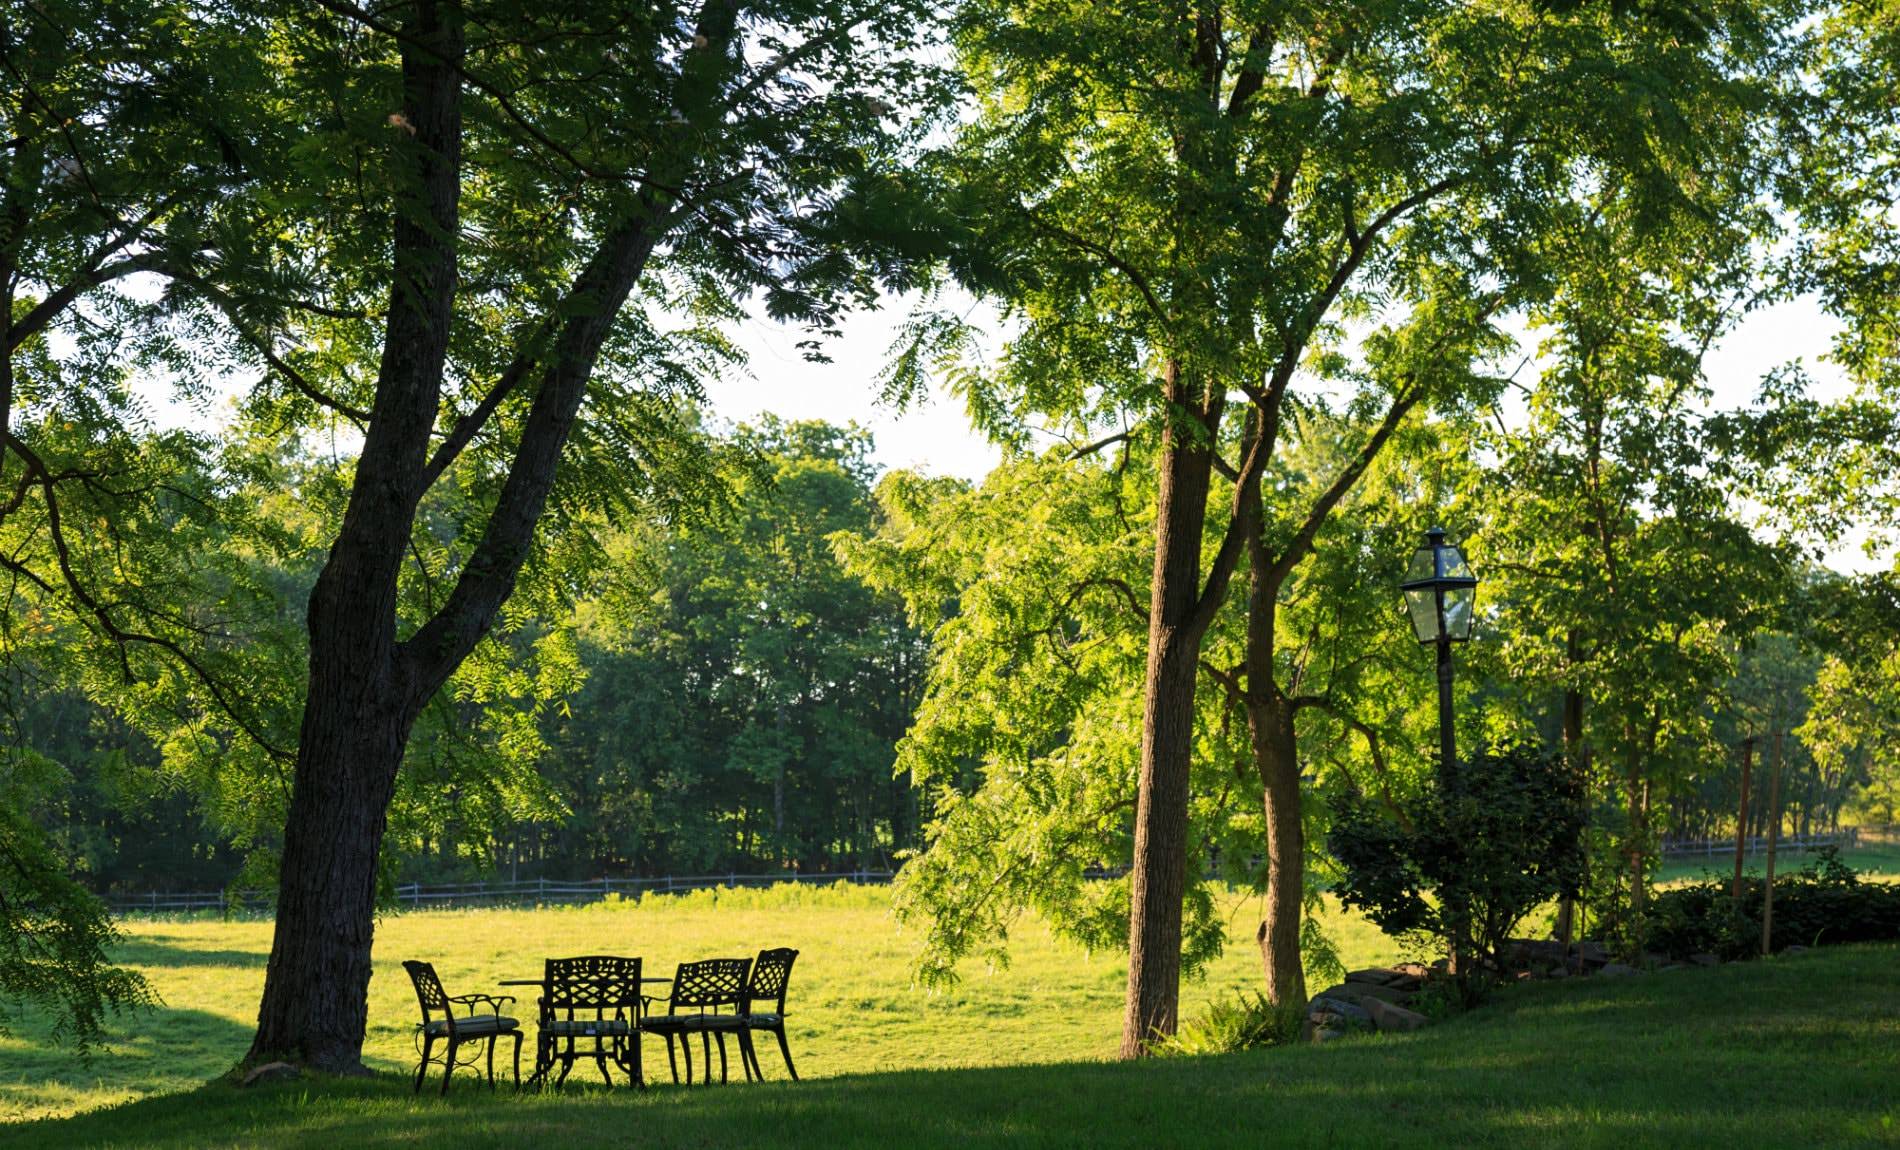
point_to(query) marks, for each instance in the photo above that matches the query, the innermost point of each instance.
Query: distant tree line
(731, 700)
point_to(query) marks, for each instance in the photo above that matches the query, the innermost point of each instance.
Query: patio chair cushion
(466, 1025)
(586, 1027)
(679, 1022)
(763, 1018)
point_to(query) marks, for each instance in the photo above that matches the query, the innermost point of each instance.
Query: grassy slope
(1801, 1051)
(854, 1009)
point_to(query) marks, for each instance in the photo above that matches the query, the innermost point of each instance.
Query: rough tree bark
(1276, 757)
(360, 704)
(1177, 620)
(1271, 711)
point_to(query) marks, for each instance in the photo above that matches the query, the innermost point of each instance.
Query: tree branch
(102, 614)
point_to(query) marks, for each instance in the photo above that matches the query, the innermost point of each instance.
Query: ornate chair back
(595, 986)
(709, 984)
(771, 972)
(429, 992)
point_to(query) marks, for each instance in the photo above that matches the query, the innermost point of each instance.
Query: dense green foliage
(1824, 902)
(1230, 1025)
(55, 937)
(743, 694)
(720, 696)
(1466, 860)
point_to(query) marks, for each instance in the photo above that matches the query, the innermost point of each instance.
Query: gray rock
(1592, 952)
(1705, 960)
(1559, 972)
(1390, 1017)
(1363, 992)
(1616, 970)
(272, 1072)
(1340, 1007)
(1797, 948)
(1327, 1035)
(1378, 976)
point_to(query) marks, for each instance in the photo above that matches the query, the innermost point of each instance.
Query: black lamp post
(1441, 597)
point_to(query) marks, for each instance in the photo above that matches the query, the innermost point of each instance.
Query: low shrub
(1227, 1025)
(1823, 902)
(1461, 868)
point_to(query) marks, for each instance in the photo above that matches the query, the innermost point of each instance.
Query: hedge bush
(1823, 902)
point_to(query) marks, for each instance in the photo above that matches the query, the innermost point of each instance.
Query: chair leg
(705, 1051)
(491, 1060)
(748, 1057)
(745, 1060)
(448, 1066)
(422, 1067)
(567, 1065)
(786, 1050)
(517, 1035)
(600, 1060)
(671, 1061)
(721, 1036)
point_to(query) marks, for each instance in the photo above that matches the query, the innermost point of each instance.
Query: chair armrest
(492, 1001)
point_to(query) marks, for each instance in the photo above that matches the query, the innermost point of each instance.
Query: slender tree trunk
(1573, 753)
(1276, 756)
(1773, 815)
(1638, 798)
(1158, 878)
(1741, 819)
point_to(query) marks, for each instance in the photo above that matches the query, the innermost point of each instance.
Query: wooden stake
(1774, 832)
(1741, 817)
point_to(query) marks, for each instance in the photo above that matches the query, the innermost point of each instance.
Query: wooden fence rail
(494, 893)
(530, 892)
(523, 892)
(1716, 848)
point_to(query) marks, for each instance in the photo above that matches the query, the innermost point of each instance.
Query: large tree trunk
(1276, 756)
(361, 701)
(315, 1004)
(1175, 627)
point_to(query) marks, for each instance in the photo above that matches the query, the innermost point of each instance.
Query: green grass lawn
(1798, 1051)
(1875, 860)
(854, 1009)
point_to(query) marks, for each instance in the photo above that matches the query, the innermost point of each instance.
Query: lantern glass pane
(1423, 608)
(1424, 565)
(1452, 565)
(1460, 609)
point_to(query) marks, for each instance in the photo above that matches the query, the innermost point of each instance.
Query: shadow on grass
(159, 950)
(153, 1051)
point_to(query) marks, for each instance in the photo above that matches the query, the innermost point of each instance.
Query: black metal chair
(771, 973)
(594, 998)
(705, 1001)
(468, 1029)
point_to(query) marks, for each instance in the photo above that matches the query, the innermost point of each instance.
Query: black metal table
(541, 1069)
